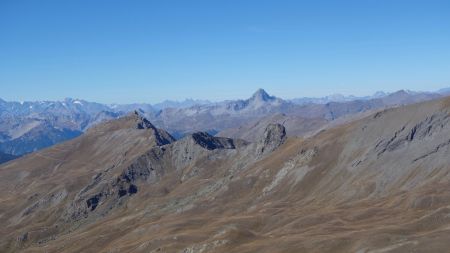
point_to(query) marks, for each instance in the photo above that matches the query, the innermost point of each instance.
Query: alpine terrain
(30, 126)
(375, 182)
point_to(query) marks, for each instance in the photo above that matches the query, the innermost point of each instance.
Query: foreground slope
(378, 184)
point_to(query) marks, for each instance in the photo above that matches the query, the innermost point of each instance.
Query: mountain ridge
(70, 117)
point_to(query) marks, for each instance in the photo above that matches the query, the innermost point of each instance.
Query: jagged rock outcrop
(209, 142)
(162, 137)
(274, 136)
(142, 122)
(200, 144)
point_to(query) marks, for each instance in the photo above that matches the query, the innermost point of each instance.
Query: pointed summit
(261, 95)
(140, 121)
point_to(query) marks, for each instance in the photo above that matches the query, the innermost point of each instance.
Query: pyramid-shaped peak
(262, 95)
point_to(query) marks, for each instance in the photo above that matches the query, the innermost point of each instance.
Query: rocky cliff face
(274, 136)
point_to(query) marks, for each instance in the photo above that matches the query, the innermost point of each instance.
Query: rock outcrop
(198, 145)
(274, 136)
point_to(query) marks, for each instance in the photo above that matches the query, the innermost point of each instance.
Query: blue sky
(148, 51)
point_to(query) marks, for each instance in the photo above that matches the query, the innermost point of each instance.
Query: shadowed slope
(6, 157)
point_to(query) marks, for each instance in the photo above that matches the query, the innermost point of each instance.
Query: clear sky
(147, 51)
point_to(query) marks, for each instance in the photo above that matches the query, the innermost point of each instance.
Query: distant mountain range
(224, 115)
(336, 98)
(180, 104)
(29, 126)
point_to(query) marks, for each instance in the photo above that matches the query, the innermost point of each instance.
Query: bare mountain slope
(36, 187)
(378, 184)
